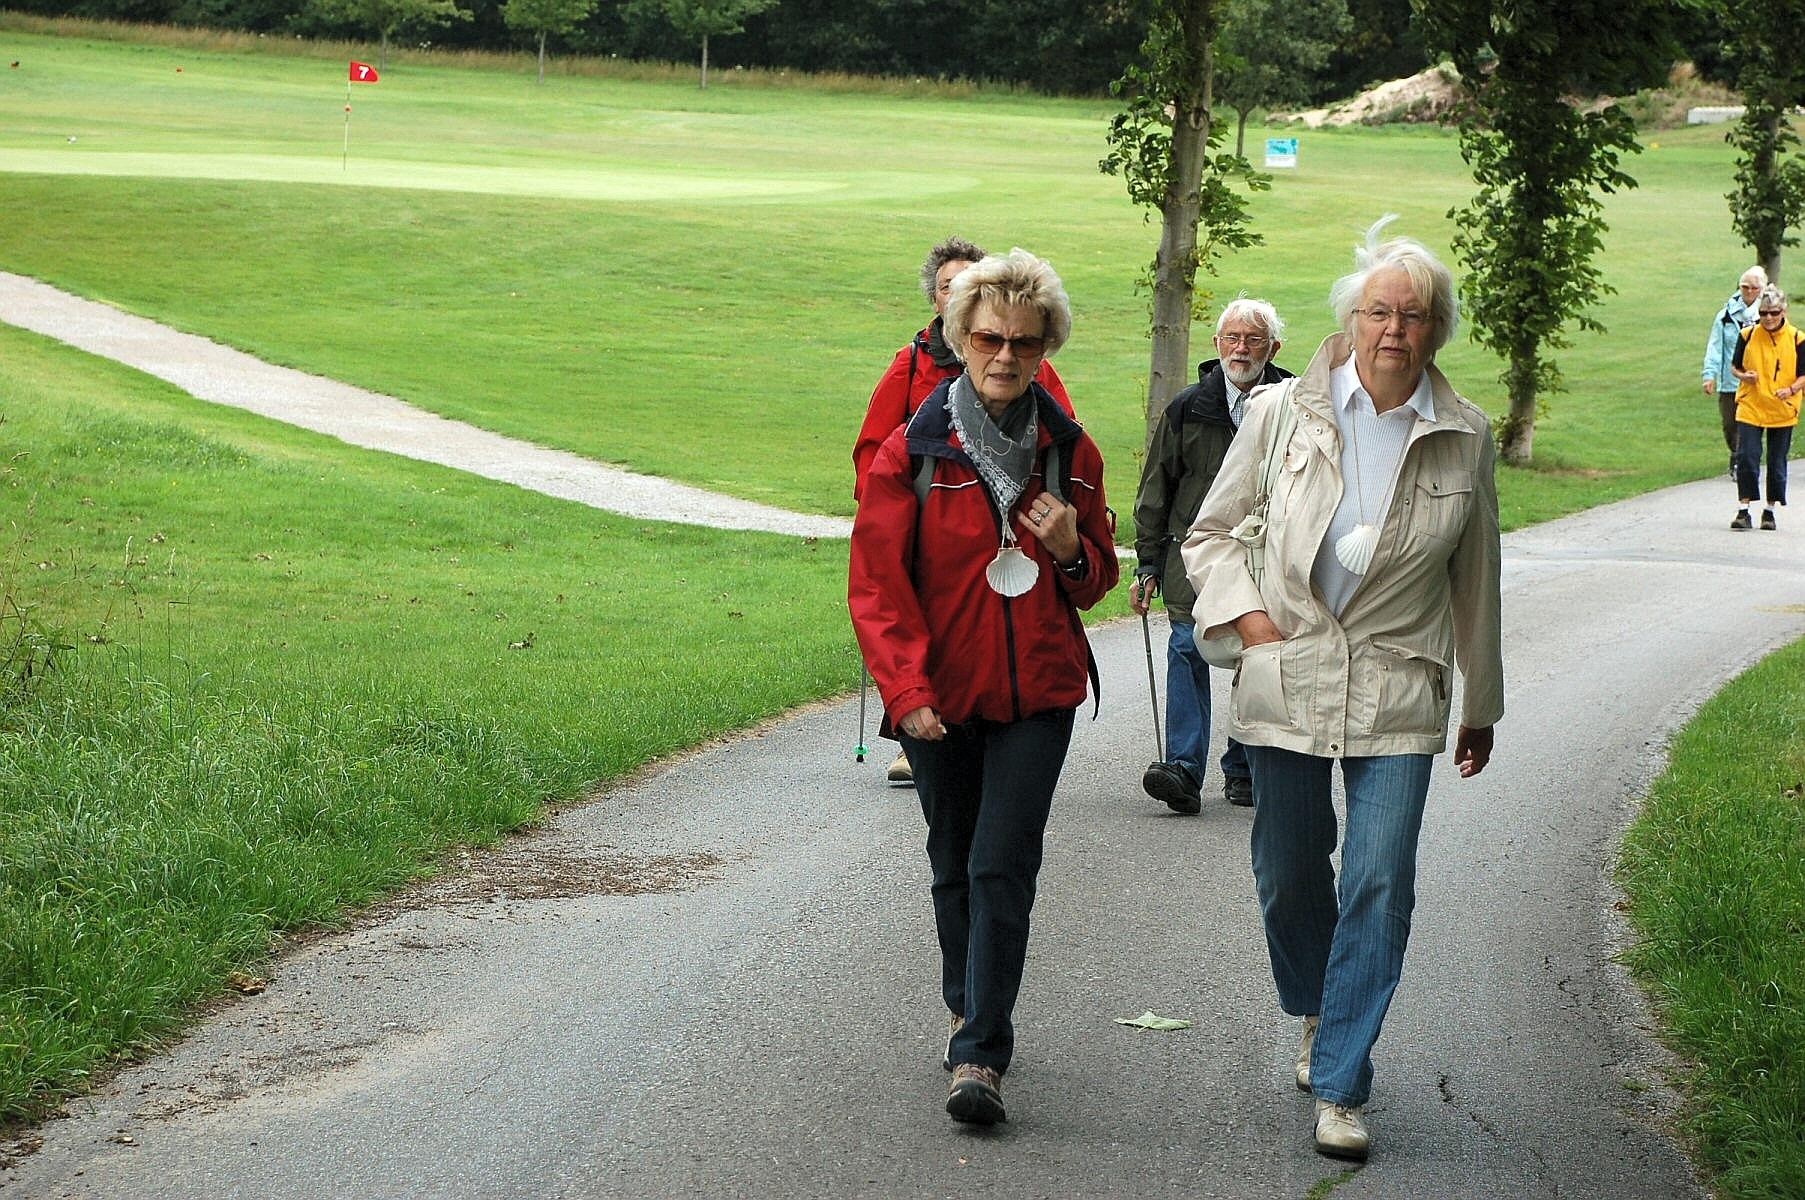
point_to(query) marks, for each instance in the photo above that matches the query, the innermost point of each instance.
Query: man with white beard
(1187, 451)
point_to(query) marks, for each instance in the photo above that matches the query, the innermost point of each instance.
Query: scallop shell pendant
(1354, 548)
(1011, 572)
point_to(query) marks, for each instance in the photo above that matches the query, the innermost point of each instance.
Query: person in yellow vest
(1767, 361)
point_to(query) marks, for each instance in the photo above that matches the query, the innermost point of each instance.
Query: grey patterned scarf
(1002, 451)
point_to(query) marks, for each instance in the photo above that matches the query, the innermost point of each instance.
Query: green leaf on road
(1148, 1020)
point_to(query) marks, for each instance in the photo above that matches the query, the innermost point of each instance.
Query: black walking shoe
(1172, 786)
(1767, 519)
(1741, 520)
(1238, 790)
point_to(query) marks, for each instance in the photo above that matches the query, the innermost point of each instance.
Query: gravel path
(209, 371)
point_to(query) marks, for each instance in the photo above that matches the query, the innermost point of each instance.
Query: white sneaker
(900, 771)
(1341, 1130)
(1303, 1052)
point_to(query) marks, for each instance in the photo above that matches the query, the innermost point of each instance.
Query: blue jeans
(1337, 947)
(1188, 708)
(986, 791)
(1748, 462)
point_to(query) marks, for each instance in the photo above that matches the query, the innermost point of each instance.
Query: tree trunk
(382, 53)
(1175, 267)
(542, 56)
(1241, 132)
(1767, 162)
(1516, 438)
(705, 61)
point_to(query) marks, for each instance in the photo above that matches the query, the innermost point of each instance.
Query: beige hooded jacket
(1376, 681)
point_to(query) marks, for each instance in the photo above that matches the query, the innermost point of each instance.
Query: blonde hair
(1017, 278)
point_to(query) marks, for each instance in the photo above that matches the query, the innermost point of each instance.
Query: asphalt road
(719, 979)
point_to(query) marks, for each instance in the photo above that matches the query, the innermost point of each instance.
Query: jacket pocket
(1259, 689)
(1411, 693)
(1440, 503)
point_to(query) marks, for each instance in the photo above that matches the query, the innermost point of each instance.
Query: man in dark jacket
(1187, 451)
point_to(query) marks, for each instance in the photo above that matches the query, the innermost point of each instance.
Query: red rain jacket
(912, 377)
(932, 631)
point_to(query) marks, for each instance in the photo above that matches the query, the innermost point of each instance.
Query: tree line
(1048, 45)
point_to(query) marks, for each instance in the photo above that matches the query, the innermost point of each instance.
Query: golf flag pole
(358, 73)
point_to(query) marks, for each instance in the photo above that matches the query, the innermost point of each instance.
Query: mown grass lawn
(631, 269)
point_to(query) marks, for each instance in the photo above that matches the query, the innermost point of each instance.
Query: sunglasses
(993, 343)
(1773, 312)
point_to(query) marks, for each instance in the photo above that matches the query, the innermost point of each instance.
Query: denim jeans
(1188, 708)
(986, 791)
(1337, 947)
(1748, 462)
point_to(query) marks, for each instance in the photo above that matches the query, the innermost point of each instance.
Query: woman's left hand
(1055, 524)
(1472, 750)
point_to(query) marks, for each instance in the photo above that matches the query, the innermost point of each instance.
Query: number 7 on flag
(363, 72)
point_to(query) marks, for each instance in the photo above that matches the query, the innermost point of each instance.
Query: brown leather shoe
(976, 1097)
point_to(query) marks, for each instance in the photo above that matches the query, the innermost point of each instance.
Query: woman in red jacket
(981, 533)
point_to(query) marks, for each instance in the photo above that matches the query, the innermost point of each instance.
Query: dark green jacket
(1188, 446)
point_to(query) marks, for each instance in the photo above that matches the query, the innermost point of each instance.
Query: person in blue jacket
(1737, 314)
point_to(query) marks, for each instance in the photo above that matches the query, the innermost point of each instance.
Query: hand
(1472, 750)
(923, 724)
(1055, 524)
(1710, 386)
(1142, 592)
(1256, 629)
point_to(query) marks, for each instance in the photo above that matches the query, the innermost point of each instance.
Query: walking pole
(1159, 741)
(859, 751)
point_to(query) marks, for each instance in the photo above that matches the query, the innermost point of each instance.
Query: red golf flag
(363, 72)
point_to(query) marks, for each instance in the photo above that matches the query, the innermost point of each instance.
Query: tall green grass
(303, 670)
(1715, 872)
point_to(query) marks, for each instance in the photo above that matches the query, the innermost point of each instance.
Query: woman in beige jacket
(1381, 566)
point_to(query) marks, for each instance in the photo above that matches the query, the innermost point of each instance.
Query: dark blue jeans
(1188, 709)
(1748, 462)
(987, 790)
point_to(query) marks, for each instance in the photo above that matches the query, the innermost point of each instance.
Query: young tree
(387, 18)
(542, 17)
(1542, 164)
(1160, 144)
(710, 18)
(1769, 198)
(1273, 52)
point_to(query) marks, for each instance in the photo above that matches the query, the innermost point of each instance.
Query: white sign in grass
(1281, 153)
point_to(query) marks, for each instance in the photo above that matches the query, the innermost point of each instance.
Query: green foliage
(1531, 234)
(1161, 144)
(1273, 52)
(389, 18)
(1714, 869)
(545, 16)
(1768, 201)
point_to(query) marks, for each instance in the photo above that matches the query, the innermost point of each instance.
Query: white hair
(1758, 273)
(1255, 312)
(1430, 279)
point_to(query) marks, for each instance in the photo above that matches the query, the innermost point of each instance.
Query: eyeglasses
(1253, 341)
(1381, 314)
(993, 343)
(1773, 312)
